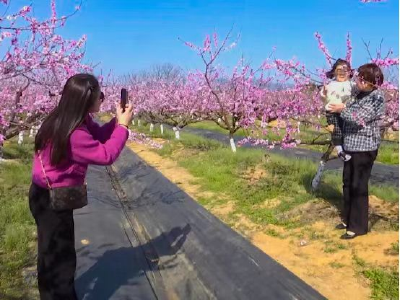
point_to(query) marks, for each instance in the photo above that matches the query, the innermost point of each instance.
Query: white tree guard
(233, 146)
(177, 132)
(317, 178)
(21, 137)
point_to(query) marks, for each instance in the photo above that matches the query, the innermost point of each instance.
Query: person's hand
(336, 108)
(124, 118)
(323, 92)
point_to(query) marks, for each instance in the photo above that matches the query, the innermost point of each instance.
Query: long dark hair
(331, 74)
(79, 94)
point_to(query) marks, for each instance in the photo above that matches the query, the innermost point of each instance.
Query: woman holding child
(358, 119)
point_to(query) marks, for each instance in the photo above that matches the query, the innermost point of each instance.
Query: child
(337, 91)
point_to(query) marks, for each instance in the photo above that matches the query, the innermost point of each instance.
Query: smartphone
(124, 98)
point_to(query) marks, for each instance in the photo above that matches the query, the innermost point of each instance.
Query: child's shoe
(344, 156)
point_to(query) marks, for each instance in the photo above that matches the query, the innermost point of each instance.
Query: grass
(334, 246)
(16, 223)
(395, 248)
(388, 152)
(384, 283)
(332, 186)
(274, 233)
(220, 171)
(209, 125)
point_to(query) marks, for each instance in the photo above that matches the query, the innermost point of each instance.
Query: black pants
(337, 121)
(56, 261)
(356, 174)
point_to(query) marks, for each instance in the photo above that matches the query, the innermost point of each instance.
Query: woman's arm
(369, 110)
(100, 133)
(366, 111)
(87, 150)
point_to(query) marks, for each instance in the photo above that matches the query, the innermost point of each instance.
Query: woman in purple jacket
(67, 142)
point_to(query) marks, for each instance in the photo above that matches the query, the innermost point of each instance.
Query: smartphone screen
(124, 98)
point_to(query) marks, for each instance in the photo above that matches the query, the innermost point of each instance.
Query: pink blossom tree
(36, 64)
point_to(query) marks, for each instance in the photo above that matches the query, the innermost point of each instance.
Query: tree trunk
(15, 129)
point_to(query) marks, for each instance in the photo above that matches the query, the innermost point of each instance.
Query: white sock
(339, 148)
(350, 233)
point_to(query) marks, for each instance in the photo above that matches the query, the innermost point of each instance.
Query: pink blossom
(323, 48)
(349, 48)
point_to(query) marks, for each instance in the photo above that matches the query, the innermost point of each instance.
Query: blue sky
(127, 36)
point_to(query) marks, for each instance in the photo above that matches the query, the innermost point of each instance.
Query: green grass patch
(384, 283)
(16, 223)
(395, 248)
(210, 125)
(334, 246)
(23, 152)
(388, 153)
(274, 233)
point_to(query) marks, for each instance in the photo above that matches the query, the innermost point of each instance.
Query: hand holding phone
(124, 118)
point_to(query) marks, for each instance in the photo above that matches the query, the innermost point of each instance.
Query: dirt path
(323, 260)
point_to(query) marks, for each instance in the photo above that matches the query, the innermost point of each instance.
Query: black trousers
(356, 174)
(337, 121)
(56, 262)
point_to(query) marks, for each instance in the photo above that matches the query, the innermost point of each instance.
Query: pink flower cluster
(141, 138)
